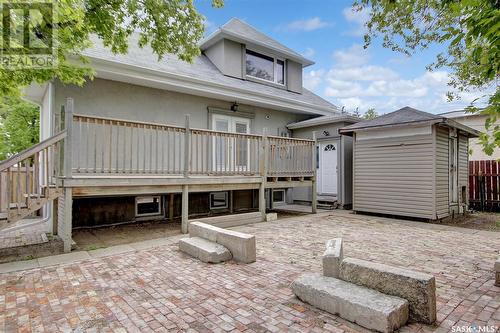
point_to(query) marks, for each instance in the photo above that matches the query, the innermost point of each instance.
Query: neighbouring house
(149, 139)
(410, 163)
(333, 159)
(477, 122)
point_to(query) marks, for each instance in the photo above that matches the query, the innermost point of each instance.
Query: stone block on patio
(241, 245)
(497, 272)
(271, 217)
(204, 250)
(418, 288)
(365, 307)
(332, 257)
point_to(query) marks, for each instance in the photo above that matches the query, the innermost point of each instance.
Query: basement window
(278, 196)
(147, 206)
(218, 200)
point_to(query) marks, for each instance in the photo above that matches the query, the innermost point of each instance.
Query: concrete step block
(332, 257)
(365, 307)
(418, 288)
(204, 250)
(241, 245)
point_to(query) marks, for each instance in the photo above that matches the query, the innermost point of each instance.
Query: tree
(19, 126)
(370, 114)
(469, 28)
(168, 26)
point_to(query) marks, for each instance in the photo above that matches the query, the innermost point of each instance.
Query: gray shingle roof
(243, 31)
(401, 116)
(201, 69)
(407, 115)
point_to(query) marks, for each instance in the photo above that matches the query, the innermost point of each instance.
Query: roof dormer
(239, 50)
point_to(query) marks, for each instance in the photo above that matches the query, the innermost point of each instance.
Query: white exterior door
(327, 171)
(231, 153)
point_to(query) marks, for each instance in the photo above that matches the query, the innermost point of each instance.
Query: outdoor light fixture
(326, 133)
(234, 107)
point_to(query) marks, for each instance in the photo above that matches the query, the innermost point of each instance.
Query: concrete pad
(204, 250)
(18, 266)
(241, 245)
(109, 251)
(66, 258)
(151, 243)
(418, 288)
(332, 257)
(365, 307)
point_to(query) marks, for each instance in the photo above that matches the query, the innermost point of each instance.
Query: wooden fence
(484, 185)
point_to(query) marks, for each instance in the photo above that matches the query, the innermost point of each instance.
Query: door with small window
(327, 168)
(231, 153)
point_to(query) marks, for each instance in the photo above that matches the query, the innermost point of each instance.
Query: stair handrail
(19, 157)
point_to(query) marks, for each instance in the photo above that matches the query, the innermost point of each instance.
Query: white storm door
(327, 172)
(231, 154)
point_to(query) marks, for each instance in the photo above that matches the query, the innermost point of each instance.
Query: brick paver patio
(163, 290)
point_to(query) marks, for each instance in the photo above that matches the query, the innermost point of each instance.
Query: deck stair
(28, 180)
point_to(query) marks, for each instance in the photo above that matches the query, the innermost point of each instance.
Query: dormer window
(264, 67)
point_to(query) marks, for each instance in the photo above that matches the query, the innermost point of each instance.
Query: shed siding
(442, 172)
(394, 175)
(463, 167)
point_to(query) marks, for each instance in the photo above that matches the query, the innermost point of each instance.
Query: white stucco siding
(394, 174)
(46, 113)
(113, 99)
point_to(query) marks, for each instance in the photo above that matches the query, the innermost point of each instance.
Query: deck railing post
(314, 184)
(187, 148)
(65, 226)
(263, 171)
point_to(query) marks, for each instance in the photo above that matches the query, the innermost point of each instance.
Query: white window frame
(137, 199)
(284, 197)
(226, 194)
(275, 68)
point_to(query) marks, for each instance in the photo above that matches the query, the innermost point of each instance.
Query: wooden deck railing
(120, 147)
(27, 178)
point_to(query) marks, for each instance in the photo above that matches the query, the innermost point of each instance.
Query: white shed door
(327, 171)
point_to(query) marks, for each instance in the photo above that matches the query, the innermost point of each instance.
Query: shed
(410, 163)
(333, 159)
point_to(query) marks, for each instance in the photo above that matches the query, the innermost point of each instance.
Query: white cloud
(357, 19)
(311, 24)
(355, 83)
(309, 52)
(354, 56)
(313, 79)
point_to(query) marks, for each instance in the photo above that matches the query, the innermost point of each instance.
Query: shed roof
(239, 31)
(406, 116)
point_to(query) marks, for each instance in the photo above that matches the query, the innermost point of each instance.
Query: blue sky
(330, 34)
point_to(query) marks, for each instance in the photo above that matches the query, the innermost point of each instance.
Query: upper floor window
(265, 67)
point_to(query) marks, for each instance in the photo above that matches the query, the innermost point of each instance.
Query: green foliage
(469, 28)
(370, 114)
(168, 26)
(19, 126)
